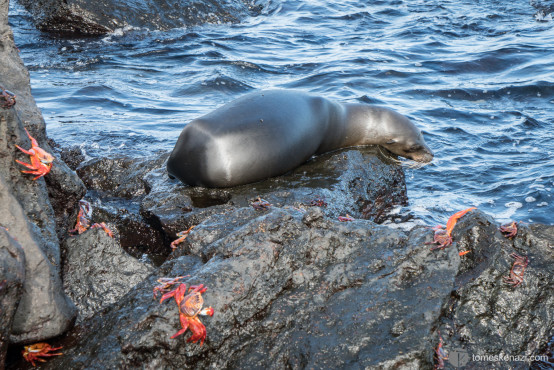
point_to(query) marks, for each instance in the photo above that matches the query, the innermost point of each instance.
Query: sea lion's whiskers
(408, 163)
(414, 165)
(388, 156)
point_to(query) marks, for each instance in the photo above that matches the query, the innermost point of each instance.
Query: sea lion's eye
(391, 141)
(414, 148)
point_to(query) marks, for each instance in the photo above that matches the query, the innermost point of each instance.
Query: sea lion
(269, 133)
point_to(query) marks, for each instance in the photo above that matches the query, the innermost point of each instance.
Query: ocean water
(476, 76)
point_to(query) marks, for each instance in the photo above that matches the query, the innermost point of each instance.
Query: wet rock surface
(488, 316)
(97, 272)
(12, 276)
(103, 16)
(43, 309)
(138, 195)
(293, 289)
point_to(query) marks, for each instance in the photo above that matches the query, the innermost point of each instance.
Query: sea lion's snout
(423, 156)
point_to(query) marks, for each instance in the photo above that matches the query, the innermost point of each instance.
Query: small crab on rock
(443, 237)
(440, 354)
(166, 284)
(83, 220)
(518, 269)
(318, 202)
(190, 306)
(34, 352)
(260, 204)
(8, 97)
(509, 230)
(346, 218)
(41, 160)
(182, 236)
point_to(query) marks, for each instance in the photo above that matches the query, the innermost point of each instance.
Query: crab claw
(184, 325)
(177, 293)
(40, 153)
(41, 161)
(103, 226)
(198, 331)
(454, 218)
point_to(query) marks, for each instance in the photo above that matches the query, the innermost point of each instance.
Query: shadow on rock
(97, 272)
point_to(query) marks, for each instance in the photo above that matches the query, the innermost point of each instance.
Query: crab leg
(29, 152)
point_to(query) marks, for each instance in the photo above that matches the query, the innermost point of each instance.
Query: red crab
(318, 202)
(9, 98)
(518, 268)
(102, 225)
(41, 161)
(443, 237)
(182, 236)
(190, 306)
(509, 230)
(83, 220)
(34, 352)
(440, 354)
(260, 204)
(166, 284)
(346, 218)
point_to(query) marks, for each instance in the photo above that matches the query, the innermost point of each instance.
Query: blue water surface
(476, 76)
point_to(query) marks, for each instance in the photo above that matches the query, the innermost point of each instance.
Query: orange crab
(509, 230)
(41, 161)
(166, 284)
(83, 220)
(182, 236)
(443, 237)
(190, 306)
(34, 352)
(102, 225)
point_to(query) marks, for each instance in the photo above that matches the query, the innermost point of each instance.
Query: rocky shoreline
(290, 284)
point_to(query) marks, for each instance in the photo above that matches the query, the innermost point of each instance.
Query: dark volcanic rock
(116, 189)
(288, 289)
(118, 176)
(97, 272)
(354, 182)
(102, 16)
(351, 181)
(64, 187)
(12, 276)
(294, 290)
(487, 316)
(44, 310)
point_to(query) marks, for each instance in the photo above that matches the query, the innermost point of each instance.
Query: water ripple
(477, 77)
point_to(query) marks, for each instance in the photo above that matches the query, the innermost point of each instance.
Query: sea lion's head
(400, 136)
